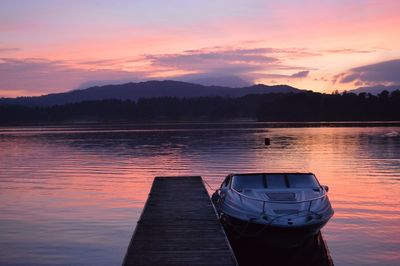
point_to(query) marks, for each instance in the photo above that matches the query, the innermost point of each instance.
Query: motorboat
(286, 207)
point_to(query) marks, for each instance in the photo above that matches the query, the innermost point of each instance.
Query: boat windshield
(274, 181)
(302, 181)
(241, 182)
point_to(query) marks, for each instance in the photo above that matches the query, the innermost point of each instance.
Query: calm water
(72, 195)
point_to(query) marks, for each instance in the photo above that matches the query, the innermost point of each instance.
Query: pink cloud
(41, 76)
(282, 39)
(387, 73)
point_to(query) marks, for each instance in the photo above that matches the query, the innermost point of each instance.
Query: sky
(49, 46)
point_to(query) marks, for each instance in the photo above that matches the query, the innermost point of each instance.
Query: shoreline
(201, 124)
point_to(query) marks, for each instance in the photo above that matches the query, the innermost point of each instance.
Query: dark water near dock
(71, 195)
(312, 252)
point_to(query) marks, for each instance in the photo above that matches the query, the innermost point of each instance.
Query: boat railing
(266, 201)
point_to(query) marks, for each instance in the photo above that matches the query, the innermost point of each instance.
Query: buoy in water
(267, 141)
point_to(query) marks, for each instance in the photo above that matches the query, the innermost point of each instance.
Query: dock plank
(179, 226)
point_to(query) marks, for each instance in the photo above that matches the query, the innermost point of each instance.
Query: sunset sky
(51, 46)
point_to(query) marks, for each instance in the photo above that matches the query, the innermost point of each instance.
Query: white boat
(283, 207)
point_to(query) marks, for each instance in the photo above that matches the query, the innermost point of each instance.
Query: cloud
(301, 74)
(200, 59)
(40, 75)
(108, 63)
(215, 61)
(248, 63)
(9, 49)
(387, 73)
(297, 75)
(347, 51)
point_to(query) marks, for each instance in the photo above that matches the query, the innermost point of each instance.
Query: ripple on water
(73, 195)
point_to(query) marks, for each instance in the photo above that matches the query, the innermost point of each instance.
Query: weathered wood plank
(179, 226)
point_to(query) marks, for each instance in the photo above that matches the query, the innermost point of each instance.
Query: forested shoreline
(273, 107)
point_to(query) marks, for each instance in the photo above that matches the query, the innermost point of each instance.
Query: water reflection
(313, 252)
(74, 194)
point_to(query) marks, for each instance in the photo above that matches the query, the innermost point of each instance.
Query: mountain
(375, 90)
(148, 89)
(225, 81)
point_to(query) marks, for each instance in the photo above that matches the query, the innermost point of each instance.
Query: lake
(72, 194)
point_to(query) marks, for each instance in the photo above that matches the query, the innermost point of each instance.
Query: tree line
(285, 107)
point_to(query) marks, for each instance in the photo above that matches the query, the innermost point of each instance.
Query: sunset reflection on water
(74, 194)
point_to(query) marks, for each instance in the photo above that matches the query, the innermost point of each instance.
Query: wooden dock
(179, 226)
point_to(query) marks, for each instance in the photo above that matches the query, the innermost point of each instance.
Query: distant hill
(375, 90)
(148, 89)
(224, 81)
